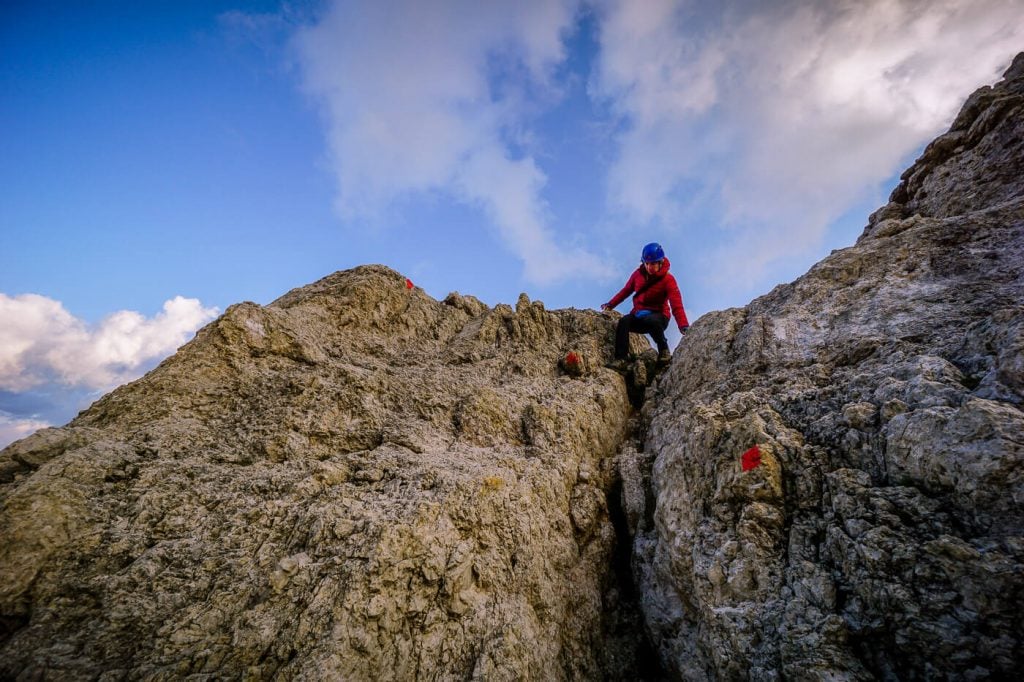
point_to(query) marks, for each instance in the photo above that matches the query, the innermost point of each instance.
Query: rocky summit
(359, 482)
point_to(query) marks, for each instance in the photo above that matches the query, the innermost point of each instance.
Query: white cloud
(41, 342)
(12, 428)
(782, 116)
(424, 96)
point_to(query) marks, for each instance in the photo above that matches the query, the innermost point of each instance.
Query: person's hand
(682, 331)
(605, 307)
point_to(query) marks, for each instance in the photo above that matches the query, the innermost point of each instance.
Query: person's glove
(682, 331)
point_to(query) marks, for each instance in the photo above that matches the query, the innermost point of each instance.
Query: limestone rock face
(881, 534)
(355, 482)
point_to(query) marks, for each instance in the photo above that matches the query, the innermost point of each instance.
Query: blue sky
(160, 161)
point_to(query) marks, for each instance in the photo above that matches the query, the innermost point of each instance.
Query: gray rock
(881, 535)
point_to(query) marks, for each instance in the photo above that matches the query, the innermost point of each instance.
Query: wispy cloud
(777, 118)
(41, 342)
(427, 97)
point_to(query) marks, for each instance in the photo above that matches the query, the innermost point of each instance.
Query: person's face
(654, 267)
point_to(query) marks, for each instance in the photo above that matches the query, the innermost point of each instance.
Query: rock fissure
(631, 504)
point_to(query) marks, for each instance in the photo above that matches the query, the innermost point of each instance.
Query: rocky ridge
(354, 482)
(882, 534)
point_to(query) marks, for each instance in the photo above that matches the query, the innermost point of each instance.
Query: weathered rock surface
(882, 534)
(355, 482)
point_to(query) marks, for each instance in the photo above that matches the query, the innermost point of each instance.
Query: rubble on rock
(881, 535)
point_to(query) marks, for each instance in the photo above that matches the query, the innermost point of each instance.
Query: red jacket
(657, 297)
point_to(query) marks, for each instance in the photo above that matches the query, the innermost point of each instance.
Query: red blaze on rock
(572, 358)
(751, 458)
(408, 283)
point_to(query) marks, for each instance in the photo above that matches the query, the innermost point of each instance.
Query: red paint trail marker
(572, 359)
(408, 283)
(751, 458)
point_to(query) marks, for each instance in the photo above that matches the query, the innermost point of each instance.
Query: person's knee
(654, 325)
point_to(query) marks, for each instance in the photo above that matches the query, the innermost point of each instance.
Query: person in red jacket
(654, 292)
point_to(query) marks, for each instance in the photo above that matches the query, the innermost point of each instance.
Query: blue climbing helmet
(653, 252)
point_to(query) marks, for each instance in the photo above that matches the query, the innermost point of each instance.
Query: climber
(654, 290)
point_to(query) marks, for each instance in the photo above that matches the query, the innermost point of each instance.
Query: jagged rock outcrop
(355, 482)
(882, 534)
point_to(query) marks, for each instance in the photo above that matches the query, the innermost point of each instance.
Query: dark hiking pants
(653, 324)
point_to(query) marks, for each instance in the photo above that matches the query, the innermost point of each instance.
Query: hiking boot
(665, 356)
(618, 364)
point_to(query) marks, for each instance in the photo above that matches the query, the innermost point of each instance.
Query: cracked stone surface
(882, 536)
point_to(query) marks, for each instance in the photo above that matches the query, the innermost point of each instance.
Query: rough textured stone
(354, 482)
(881, 536)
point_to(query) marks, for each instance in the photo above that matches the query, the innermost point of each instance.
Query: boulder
(354, 482)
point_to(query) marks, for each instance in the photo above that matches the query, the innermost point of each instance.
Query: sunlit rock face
(881, 534)
(356, 482)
